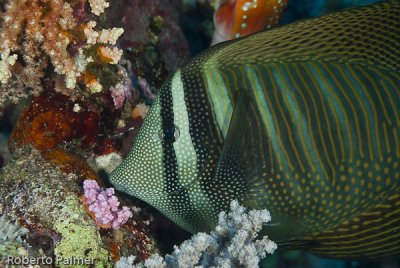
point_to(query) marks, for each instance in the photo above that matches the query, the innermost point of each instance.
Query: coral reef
(11, 243)
(83, 100)
(230, 245)
(51, 125)
(48, 203)
(52, 119)
(80, 54)
(79, 236)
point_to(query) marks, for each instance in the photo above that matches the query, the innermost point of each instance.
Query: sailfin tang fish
(302, 120)
(236, 18)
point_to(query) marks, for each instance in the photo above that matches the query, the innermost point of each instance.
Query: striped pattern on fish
(303, 120)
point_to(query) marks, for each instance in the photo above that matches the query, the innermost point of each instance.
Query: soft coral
(104, 205)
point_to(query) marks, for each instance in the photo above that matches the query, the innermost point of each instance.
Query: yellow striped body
(329, 118)
(302, 120)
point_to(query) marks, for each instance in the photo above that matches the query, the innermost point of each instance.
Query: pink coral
(104, 204)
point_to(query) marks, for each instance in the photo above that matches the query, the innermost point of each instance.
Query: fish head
(138, 174)
(163, 163)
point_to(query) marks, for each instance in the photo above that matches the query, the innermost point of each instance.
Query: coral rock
(50, 120)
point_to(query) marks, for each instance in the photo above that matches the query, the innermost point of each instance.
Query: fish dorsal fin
(344, 36)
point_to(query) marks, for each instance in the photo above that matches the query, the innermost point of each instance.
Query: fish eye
(169, 134)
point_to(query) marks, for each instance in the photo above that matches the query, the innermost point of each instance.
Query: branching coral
(11, 243)
(230, 245)
(62, 33)
(98, 6)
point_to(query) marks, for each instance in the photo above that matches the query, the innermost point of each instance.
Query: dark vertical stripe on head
(170, 164)
(178, 197)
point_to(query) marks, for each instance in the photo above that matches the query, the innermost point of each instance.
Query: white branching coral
(90, 33)
(98, 6)
(6, 62)
(232, 244)
(105, 36)
(242, 249)
(110, 36)
(125, 262)
(81, 61)
(67, 21)
(11, 243)
(110, 54)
